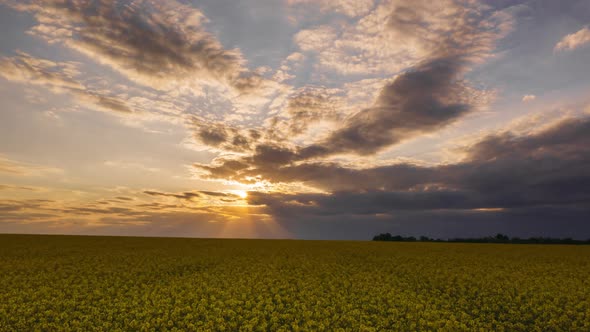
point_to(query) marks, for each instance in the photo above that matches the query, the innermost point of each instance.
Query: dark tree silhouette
(499, 238)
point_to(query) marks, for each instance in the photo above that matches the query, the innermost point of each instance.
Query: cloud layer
(322, 130)
(502, 176)
(424, 98)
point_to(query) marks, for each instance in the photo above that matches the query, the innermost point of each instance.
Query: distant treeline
(499, 238)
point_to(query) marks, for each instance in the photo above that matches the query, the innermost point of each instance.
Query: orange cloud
(574, 40)
(351, 8)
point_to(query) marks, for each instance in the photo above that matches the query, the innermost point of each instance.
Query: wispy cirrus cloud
(154, 43)
(59, 77)
(12, 187)
(19, 168)
(184, 196)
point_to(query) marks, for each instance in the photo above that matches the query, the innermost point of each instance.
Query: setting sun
(242, 193)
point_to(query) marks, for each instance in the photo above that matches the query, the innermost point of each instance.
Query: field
(144, 284)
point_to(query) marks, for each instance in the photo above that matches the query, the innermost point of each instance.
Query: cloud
(574, 40)
(323, 222)
(189, 195)
(315, 39)
(304, 107)
(527, 98)
(124, 198)
(224, 137)
(351, 8)
(414, 58)
(25, 68)
(9, 208)
(514, 181)
(213, 214)
(193, 195)
(395, 35)
(291, 116)
(427, 96)
(131, 165)
(421, 100)
(59, 78)
(424, 99)
(291, 62)
(451, 28)
(218, 194)
(548, 167)
(157, 44)
(11, 187)
(13, 167)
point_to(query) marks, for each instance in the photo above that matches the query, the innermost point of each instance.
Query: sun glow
(242, 193)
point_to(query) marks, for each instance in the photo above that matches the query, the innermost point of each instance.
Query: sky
(304, 119)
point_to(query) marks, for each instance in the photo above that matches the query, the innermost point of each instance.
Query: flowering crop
(51, 283)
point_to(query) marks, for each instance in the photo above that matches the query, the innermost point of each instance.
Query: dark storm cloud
(365, 203)
(556, 158)
(566, 140)
(421, 100)
(550, 166)
(152, 42)
(559, 221)
(503, 175)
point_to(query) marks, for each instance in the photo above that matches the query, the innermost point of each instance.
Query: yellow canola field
(61, 283)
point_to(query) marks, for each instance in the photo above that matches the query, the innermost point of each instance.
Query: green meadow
(81, 283)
